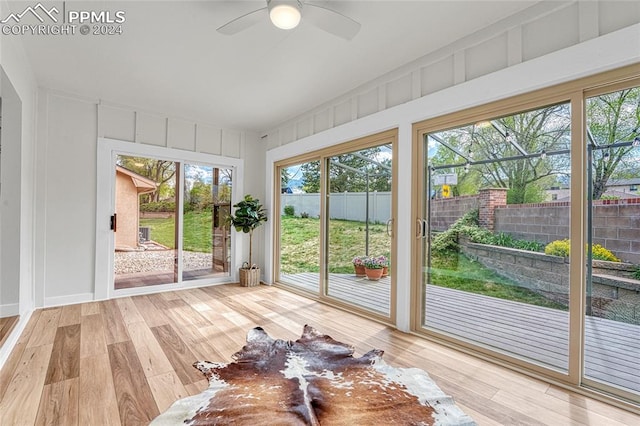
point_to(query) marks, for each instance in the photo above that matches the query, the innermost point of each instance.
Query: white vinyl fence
(344, 205)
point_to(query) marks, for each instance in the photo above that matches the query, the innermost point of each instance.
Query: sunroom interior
(426, 137)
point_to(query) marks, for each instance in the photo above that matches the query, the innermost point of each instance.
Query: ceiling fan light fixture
(285, 15)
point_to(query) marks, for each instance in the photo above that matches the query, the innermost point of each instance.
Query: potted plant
(248, 216)
(374, 266)
(358, 265)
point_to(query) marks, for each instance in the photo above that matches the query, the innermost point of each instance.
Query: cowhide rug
(312, 381)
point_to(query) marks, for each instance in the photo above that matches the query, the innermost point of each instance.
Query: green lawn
(455, 270)
(300, 244)
(197, 231)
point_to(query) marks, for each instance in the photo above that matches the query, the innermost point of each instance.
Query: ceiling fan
(287, 14)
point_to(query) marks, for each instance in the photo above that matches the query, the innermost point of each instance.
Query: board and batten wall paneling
(208, 139)
(399, 91)
(436, 76)
(551, 33)
(231, 143)
(615, 15)
(70, 182)
(543, 28)
(487, 57)
(116, 123)
(151, 129)
(368, 103)
(322, 120)
(129, 125)
(181, 134)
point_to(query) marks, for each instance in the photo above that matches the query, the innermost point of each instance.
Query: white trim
(9, 310)
(68, 300)
(107, 151)
(12, 339)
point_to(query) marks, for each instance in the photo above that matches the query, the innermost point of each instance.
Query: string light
(466, 167)
(636, 142)
(606, 155)
(543, 154)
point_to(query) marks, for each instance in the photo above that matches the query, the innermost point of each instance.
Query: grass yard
(455, 270)
(197, 231)
(300, 244)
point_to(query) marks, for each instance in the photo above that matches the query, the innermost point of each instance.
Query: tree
(613, 118)
(509, 150)
(160, 171)
(348, 172)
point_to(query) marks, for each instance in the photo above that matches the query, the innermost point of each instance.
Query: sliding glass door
(359, 206)
(496, 197)
(336, 212)
(299, 225)
(144, 222)
(612, 314)
(528, 228)
(169, 221)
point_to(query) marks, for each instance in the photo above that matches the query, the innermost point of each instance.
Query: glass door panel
(496, 194)
(300, 226)
(145, 222)
(612, 315)
(206, 243)
(359, 206)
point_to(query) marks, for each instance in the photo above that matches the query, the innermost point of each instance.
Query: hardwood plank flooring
(119, 362)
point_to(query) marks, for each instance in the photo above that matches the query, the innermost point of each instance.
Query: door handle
(113, 222)
(390, 230)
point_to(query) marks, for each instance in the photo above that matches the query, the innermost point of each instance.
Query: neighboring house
(129, 187)
(621, 188)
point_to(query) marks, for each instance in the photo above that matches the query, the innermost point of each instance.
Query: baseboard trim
(68, 300)
(9, 310)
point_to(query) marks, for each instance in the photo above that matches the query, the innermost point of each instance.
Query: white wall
(18, 172)
(69, 127)
(596, 55)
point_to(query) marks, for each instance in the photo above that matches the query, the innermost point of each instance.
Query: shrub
(557, 248)
(304, 215)
(636, 273)
(289, 210)
(161, 206)
(602, 253)
(561, 248)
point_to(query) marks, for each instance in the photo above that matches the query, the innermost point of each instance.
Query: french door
(526, 233)
(337, 206)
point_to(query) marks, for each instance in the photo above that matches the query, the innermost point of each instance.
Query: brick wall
(445, 211)
(616, 224)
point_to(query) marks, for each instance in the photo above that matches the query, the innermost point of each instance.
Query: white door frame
(107, 152)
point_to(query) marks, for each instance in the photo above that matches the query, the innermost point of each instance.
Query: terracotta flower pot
(385, 271)
(373, 274)
(359, 270)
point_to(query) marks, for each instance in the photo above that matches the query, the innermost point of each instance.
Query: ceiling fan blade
(243, 22)
(330, 21)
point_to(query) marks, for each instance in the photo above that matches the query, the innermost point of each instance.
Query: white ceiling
(170, 58)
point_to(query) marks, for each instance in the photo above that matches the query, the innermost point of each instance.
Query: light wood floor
(123, 361)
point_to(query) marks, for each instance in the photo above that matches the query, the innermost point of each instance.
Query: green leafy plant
(289, 210)
(561, 248)
(636, 273)
(248, 216)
